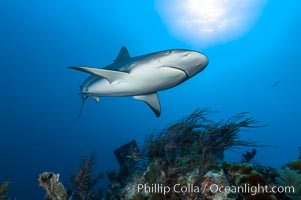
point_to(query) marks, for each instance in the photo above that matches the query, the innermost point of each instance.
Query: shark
(141, 76)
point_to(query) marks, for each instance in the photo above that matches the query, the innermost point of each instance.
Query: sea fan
(54, 188)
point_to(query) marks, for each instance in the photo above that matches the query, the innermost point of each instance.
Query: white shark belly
(157, 79)
(140, 82)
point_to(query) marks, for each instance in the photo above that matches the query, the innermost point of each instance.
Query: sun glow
(208, 22)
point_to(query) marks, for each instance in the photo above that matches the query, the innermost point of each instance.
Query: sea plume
(83, 183)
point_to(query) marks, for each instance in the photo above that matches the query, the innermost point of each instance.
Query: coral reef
(218, 178)
(129, 157)
(183, 152)
(295, 165)
(196, 140)
(290, 177)
(4, 191)
(188, 154)
(54, 189)
(131, 162)
(269, 173)
(83, 184)
(244, 174)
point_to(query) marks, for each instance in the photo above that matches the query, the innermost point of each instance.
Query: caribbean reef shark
(142, 76)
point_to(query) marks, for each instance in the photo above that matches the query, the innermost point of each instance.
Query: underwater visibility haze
(253, 79)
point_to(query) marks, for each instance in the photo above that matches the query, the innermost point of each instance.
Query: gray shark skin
(141, 76)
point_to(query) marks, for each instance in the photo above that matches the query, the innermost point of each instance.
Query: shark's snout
(204, 62)
(196, 63)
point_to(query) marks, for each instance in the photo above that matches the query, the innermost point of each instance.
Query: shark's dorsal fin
(123, 54)
(110, 75)
(152, 101)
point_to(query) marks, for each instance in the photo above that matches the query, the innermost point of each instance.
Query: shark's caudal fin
(152, 101)
(84, 98)
(110, 75)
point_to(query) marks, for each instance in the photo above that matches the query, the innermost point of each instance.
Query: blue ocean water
(39, 125)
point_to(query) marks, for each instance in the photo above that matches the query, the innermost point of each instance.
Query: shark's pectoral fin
(152, 101)
(110, 75)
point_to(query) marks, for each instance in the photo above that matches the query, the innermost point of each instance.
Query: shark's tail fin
(84, 98)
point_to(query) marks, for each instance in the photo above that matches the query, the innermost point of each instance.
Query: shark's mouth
(186, 74)
(180, 69)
